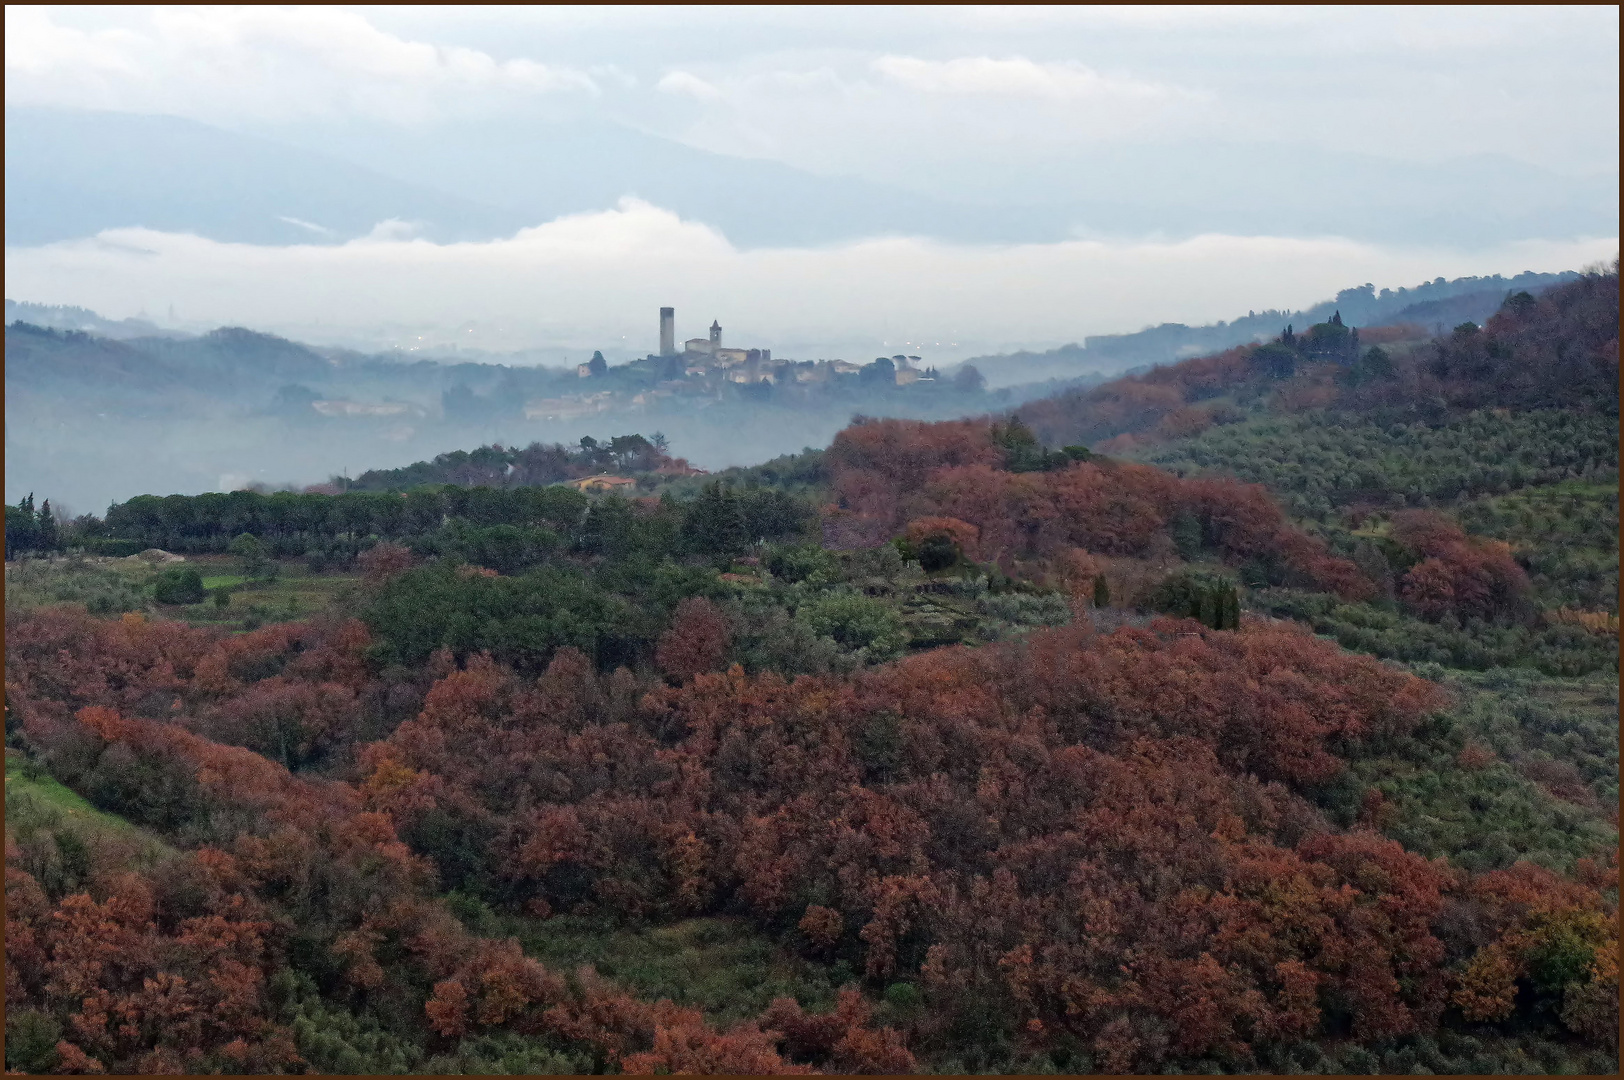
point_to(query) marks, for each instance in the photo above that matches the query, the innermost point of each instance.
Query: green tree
(1376, 363)
(882, 371)
(1277, 360)
(255, 558)
(22, 528)
(856, 622)
(179, 585)
(520, 620)
(715, 523)
(31, 1038)
(1194, 594)
(1187, 536)
(937, 552)
(45, 533)
(770, 514)
(969, 380)
(1023, 453)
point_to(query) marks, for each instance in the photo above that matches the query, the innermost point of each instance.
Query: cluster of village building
(702, 365)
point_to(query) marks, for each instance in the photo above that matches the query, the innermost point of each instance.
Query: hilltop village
(703, 368)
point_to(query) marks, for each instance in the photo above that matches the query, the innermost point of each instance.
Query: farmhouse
(602, 483)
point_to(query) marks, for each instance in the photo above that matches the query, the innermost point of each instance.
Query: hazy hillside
(409, 673)
(67, 317)
(1513, 364)
(1434, 306)
(95, 420)
(78, 395)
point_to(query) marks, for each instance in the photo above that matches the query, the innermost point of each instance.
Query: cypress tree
(45, 537)
(22, 525)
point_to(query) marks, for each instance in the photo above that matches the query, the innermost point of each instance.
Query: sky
(823, 181)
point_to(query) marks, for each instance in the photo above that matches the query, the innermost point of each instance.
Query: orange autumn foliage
(1457, 574)
(697, 640)
(1015, 768)
(962, 533)
(892, 472)
(1097, 840)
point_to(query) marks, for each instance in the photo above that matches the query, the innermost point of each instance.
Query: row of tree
(497, 466)
(29, 529)
(721, 518)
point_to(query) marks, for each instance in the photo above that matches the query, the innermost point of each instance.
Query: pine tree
(715, 523)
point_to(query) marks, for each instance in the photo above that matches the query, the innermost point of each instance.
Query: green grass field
(42, 788)
(294, 593)
(111, 586)
(36, 804)
(723, 966)
(223, 581)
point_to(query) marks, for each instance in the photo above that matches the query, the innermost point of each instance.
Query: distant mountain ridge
(178, 175)
(73, 173)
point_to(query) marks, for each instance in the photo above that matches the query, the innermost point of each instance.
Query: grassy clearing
(40, 786)
(722, 966)
(293, 593)
(112, 586)
(60, 836)
(103, 586)
(253, 604)
(223, 581)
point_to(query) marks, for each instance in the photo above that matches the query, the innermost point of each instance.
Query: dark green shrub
(1195, 595)
(31, 1039)
(938, 552)
(115, 549)
(179, 585)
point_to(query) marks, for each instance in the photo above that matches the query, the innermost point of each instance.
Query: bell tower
(668, 331)
(716, 335)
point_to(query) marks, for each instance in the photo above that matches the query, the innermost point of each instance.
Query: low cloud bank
(595, 280)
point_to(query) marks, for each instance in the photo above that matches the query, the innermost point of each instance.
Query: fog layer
(596, 280)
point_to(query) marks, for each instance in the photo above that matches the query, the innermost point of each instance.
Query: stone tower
(716, 335)
(668, 331)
